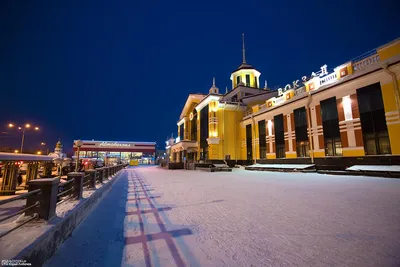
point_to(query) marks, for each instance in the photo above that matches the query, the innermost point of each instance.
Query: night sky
(122, 70)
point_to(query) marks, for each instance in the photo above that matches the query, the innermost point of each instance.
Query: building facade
(349, 111)
(144, 152)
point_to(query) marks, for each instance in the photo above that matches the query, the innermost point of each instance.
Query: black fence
(46, 193)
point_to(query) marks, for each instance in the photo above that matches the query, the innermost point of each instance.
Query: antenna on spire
(213, 82)
(243, 50)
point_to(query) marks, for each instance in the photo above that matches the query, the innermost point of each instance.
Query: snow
(63, 208)
(282, 166)
(240, 218)
(377, 168)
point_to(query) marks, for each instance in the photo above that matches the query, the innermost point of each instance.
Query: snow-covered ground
(157, 217)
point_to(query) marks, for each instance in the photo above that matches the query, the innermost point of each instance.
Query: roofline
(350, 78)
(110, 141)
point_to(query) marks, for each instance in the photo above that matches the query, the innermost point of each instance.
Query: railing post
(47, 198)
(92, 173)
(106, 169)
(101, 174)
(78, 184)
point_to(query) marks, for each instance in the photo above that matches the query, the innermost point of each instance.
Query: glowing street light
(39, 152)
(23, 128)
(16, 151)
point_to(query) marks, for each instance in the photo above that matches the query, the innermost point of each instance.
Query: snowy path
(156, 217)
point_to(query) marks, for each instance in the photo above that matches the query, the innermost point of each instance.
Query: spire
(226, 90)
(266, 85)
(214, 88)
(243, 50)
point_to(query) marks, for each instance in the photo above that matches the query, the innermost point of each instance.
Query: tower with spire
(214, 89)
(245, 74)
(59, 147)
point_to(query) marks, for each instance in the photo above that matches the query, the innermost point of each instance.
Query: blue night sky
(122, 70)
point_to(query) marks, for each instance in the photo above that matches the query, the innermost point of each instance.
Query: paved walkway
(156, 217)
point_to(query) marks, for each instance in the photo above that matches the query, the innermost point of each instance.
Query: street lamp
(23, 128)
(78, 144)
(45, 146)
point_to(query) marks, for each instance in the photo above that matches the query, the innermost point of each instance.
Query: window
(262, 133)
(237, 80)
(300, 124)
(248, 80)
(255, 82)
(373, 121)
(330, 126)
(279, 136)
(181, 131)
(204, 128)
(193, 130)
(249, 142)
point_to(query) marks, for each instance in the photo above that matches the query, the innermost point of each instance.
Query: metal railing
(65, 191)
(97, 177)
(366, 62)
(86, 180)
(22, 196)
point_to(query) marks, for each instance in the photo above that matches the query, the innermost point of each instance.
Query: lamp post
(45, 147)
(23, 129)
(78, 144)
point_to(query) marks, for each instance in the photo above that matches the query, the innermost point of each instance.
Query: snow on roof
(24, 157)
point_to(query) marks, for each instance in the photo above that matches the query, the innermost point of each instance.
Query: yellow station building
(350, 111)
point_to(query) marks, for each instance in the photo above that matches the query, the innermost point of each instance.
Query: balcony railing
(366, 62)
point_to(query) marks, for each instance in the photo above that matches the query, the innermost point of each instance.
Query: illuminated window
(237, 80)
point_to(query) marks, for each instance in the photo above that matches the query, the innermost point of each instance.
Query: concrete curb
(46, 245)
